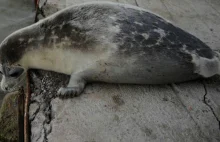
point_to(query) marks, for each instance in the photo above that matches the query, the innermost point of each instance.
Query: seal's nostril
(6, 88)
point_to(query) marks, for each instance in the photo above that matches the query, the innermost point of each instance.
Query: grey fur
(127, 45)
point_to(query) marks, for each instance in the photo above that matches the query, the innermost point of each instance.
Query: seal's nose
(6, 88)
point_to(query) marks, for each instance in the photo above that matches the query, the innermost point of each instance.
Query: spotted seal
(107, 42)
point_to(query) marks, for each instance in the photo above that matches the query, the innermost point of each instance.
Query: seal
(106, 42)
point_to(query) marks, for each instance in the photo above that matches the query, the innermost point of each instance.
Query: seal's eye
(1, 73)
(15, 72)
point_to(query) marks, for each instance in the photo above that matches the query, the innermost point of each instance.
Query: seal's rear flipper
(207, 67)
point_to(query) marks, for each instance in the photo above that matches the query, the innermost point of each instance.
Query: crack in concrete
(185, 108)
(210, 107)
(46, 126)
(48, 114)
(32, 117)
(44, 88)
(43, 96)
(136, 3)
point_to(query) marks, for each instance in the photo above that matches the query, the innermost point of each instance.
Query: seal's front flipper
(74, 88)
(69, 92)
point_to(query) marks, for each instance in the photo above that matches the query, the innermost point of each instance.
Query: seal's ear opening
(15, 72)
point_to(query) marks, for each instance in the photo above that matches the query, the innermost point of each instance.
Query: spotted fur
(110, 42)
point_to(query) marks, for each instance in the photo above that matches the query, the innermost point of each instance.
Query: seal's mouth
(18, 84)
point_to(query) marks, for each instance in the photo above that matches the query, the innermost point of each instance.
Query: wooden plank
(21, 115)
(26, 109)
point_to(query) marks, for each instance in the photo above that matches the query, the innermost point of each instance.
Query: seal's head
(12, 78)
(13, 47)
(11, 51)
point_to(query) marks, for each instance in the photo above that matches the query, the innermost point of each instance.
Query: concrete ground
(111, 112)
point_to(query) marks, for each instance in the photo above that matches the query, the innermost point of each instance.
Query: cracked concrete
(177, 112)
(114, 112)
(136, 3)
(193, 100)
(206, 101)
(41, 112)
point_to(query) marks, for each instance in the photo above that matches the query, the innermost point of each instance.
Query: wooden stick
(39, 10)
(21, 115)
(26, 111)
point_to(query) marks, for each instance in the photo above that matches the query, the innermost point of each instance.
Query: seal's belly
(142, 71)
(62, 61)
